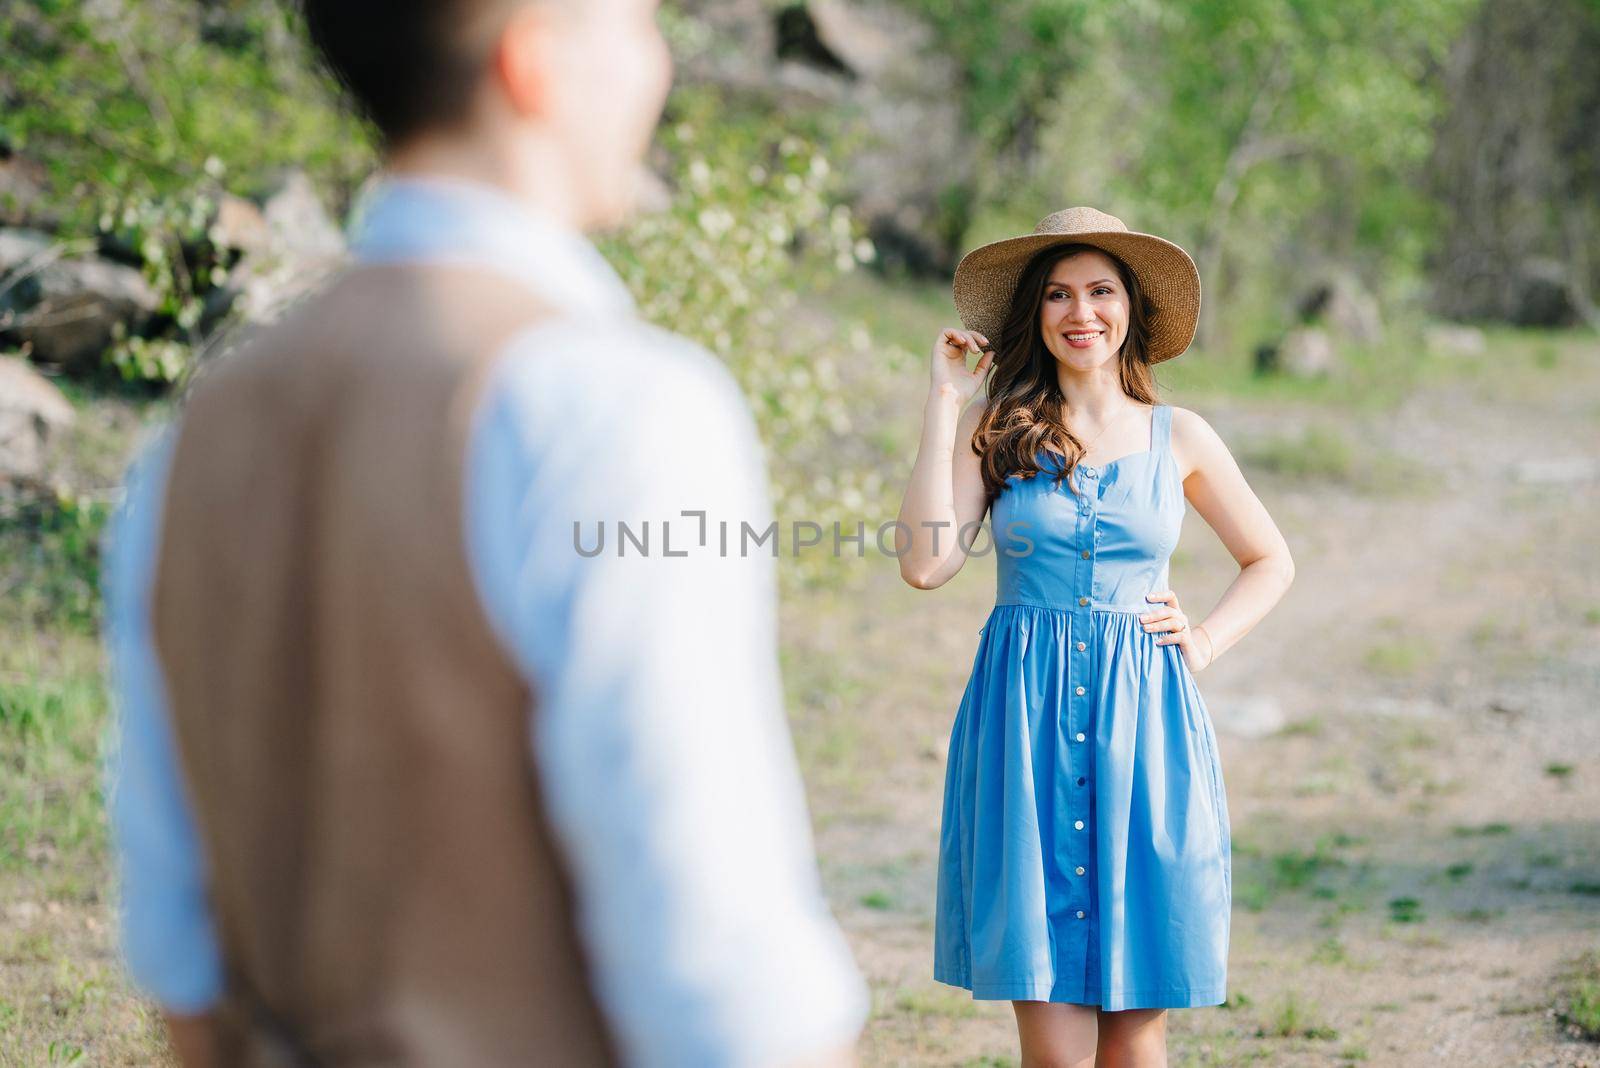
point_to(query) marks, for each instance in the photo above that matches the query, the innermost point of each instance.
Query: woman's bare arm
(945, 502)
(1217, 488)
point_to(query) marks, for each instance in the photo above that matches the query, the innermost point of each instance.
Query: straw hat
(987, 276)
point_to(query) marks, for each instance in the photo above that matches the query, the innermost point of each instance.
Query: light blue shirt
(660, 739)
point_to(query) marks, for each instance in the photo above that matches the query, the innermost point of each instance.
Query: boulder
(898, 89)
(285, 247)
(64, 304)
(1341, 305)
(32, 412)
(1307, 352)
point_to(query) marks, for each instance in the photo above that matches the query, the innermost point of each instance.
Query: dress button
(1086, 554)
(1079, 691)
(1079, 736)
(1083, 600)
(1080, 780)
(1077, 825)
(1080, 914)
(1082, 647)
(1079, 871)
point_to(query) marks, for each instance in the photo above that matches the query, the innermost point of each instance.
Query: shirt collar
(437, 218)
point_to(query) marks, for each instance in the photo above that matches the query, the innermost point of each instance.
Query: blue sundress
(1084, 854)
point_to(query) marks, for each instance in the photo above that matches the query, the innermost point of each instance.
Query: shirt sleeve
(659, 733)
(167, 934)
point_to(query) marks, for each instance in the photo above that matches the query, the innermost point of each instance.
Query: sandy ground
(1410, 744)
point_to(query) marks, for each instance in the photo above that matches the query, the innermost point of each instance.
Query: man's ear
(525, 58)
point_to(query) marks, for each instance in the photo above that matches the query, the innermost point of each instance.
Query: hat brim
(986, 279)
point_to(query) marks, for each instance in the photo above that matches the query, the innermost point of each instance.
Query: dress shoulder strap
(1161, 428)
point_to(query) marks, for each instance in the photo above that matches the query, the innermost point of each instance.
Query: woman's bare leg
(1133, 1038)
(1056, 1035)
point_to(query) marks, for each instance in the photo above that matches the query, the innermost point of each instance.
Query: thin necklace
(1108, 426)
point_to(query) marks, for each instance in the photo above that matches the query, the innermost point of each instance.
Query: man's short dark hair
(407, 65)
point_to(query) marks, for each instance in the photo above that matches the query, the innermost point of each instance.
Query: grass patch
(1317, 452)
(1330, 950)
(1310, 726)
(1481, 830)
(1259, 876)
(52, 715)
(50, 562)
(1400, 656)
(935, 1002)
(1577, 1006)
(1405, 910)
(1293, 1019)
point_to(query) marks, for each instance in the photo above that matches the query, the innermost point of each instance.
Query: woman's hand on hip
(1168, 621)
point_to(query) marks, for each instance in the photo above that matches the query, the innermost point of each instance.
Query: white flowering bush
(753, 223)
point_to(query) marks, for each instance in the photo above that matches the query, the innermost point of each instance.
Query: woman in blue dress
(1084, 863)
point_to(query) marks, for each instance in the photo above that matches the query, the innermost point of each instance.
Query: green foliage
(1577, 1006)
(50, 561)
(169, 238)
(51, 718)
(126, 101)
(754, 222)
(1265, 136)
(1294, 1019)
(1018, 55)
(139, 111)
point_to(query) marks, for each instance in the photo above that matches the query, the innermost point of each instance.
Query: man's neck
(530, 174)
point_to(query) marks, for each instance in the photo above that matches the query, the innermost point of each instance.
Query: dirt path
(1411, 742)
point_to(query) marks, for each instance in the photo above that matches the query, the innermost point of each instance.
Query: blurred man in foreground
(405, 778)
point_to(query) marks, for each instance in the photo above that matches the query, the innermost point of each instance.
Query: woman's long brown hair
(1026, 410)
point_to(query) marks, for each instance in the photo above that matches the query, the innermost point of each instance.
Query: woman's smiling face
(1083, 315)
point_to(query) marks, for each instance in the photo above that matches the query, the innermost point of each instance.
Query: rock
(1344, 307)
(32, 412)
(1247, 717)
(878, 66)
(1307, 353)
(1450, 339)
(239, 226)
(1549, 294)
(19, 247)
(864, 41)
(64, 304)
(288, 246)
(300, 225)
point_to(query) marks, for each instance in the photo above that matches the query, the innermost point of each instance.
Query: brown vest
(353, 737)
